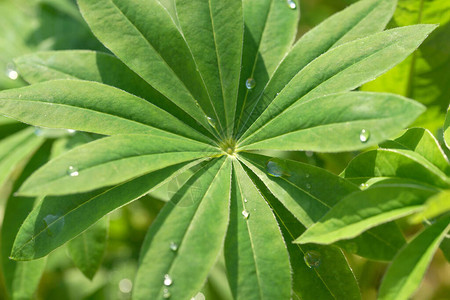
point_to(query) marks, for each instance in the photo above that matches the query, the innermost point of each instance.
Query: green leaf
(214, 31)
(447, 129)
(99, 67)
(21, 278)
(445, 247)
(110, 161)
(184, 241)
(89, 106)
(306, 191)
(435, 206)
(57, 220)
(408, 268)
(416, 155)
(309, 193)
(270, 29)
(358, 20)
(87, 249)
(328, 275)
(422, 142)
(340, 69)
(366, 209)
(247, 250)
(165, 63)
(14, 149)
(351, 121)
(423, 76)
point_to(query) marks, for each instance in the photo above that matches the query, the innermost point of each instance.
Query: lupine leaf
(184, 241)
(345, 68)
(89, 106)
(110, 161)
(358, 20)
(247, 250)
(270, 30)
(21, 278)
(14, 149)
(99, 67)
(309, 193)
(366, 209)
(87, 249)
(351, 121)
(215, 39)
(408, 268)
(319, 272)
(56, 220)
(165, 63)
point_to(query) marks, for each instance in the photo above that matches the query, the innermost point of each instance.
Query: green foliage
(191, 94)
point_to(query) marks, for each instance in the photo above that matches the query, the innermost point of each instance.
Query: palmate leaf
(189, 64)
(408, 268)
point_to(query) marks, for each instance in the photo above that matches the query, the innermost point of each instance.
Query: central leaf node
(228, 146)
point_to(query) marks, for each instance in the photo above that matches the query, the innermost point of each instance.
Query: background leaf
(406, 271)
(87, 249)
(423, 75)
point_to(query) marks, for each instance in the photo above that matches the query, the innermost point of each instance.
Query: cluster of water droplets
(72, 171)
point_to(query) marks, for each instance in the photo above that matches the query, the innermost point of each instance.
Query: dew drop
(308, 186)
(274, 169)
(211, 122)
(71, 131)
(312, 259)
(246, 214)
(291, 4)
(173, 246)
(364, 136)
(166, 294)
(245, 200)
(72, 171)
(250, 84)
(167, 280)
(11, 73)
(307, 175)
(125, 285)
(363, 186)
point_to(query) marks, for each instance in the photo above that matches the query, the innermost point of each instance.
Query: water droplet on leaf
(312, 259)
(246, 214)
(364, 136)
(167, 280)
(125, 285)
(308, 186)
(166, 294)
(275, 169)
(245, 200)
(363, 186)
(72, 171)
(291, 4)
(211, 122)
(173, 246)
(250, 83)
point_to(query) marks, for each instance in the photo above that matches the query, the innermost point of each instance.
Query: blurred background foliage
(38, 25)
